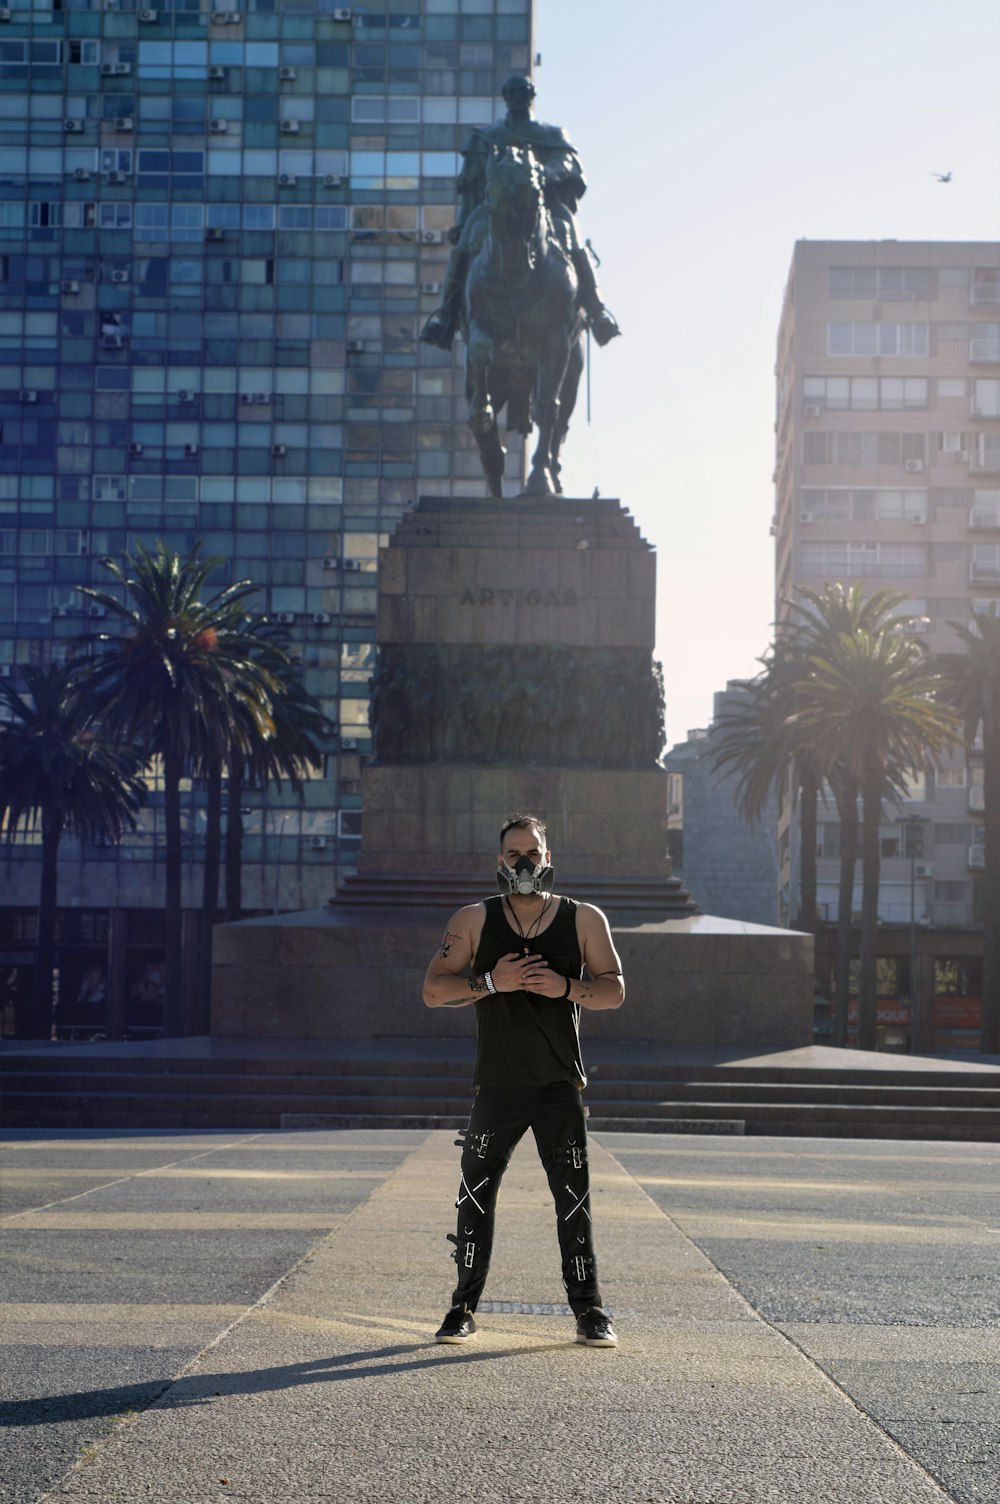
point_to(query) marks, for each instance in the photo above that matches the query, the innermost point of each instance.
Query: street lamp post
(915, 825)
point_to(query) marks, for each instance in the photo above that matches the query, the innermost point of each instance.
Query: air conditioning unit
(917, 518)
(225, 18)
(215, 232)
(287, 180)
(72, 127)
(331, 563)
(286, 618)
(807, 516)
(122, 70)
(185, 396)
(287, 75)
(923, 869)
(120, 277)
(262, 399)
(59, 611)
(342, 13)
(218, 127)
(355, 346)
(96, 612)
(246, 399)
(811, 410)
(354, 565)
(279, 451)
(6, 14)
(216, 73)
(317, 843)
(82, 175)
(190, 451)
(349, 744)
(118, 178)
(113, 341)
(70, 287)
(290, 127)
(124, 123)
(27, 394)
(913, 466)
(432, 237)
(136, 449)
(151, 16)
(333, 180)
(960, 456)
(107, 70)
(433, 287)
(321, 618)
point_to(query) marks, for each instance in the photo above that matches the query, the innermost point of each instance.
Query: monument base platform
(342, 973)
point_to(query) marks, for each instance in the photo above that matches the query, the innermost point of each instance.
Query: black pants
(500, 1118)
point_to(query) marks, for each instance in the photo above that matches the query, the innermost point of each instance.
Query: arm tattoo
(447, 943)
(607, 974)
(477, 987)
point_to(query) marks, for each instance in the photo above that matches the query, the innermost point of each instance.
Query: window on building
(843, 503)
(877, 339)
(864, 393)
(880, 284)
(831, 561)
(986, 399)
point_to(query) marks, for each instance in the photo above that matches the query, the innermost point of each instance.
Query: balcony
(984, 518)
(984, 350)
(977, 857)
(985, 461)
(985, 292)
(977, 797)
(984, 574)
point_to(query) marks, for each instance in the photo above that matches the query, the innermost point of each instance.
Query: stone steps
(147, 1091)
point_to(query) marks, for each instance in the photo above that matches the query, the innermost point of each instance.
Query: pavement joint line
(136, 1175)
(123, 1423)
(896, 1446)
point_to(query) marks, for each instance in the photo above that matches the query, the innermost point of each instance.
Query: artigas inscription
(512, 597)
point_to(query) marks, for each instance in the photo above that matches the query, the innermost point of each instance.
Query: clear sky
(714, 135)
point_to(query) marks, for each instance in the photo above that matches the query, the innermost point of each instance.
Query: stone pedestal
(515, 673)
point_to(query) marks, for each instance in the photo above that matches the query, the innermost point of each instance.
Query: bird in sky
(942, 177)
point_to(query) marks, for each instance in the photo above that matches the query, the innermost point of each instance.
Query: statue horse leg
(551, 373)
(484, 406)
(567, 403)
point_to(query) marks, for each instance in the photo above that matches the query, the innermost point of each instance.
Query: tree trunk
(45, 944)
(990, 1042)
(809, 805)
(871, 806)
(209, 894)
(234, 842)
(173, 1000)
(847, 807)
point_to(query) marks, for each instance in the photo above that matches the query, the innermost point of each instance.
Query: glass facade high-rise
(220, 233)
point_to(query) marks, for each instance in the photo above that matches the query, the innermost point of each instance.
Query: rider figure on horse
(565, 185)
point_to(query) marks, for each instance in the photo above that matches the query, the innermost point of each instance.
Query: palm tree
(971, 683)
(300, 732)
(816, 620)
(871, 707)
(754, 742)
(177, 681)
(58, 773)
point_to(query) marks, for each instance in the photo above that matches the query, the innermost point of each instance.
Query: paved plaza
(235, 1316)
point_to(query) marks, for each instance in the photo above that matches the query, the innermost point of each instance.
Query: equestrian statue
(520, 286)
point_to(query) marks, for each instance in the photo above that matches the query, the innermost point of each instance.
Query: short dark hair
(524, 821)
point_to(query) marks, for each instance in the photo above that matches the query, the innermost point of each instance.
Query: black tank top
(524, 1039)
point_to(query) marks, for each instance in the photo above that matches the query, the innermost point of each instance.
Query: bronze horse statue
(522, 321)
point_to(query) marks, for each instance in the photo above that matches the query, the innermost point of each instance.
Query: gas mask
(524, 879)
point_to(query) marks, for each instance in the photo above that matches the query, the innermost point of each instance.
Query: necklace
(533, 929)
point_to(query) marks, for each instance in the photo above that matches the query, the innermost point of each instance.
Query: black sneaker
(457, 1326)
(594, 1328)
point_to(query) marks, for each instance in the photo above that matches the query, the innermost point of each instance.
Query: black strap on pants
(500, 1117)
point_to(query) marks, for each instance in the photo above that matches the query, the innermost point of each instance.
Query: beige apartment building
(888, 470)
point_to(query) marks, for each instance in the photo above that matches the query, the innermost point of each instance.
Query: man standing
(520, 957)
(565, 185)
